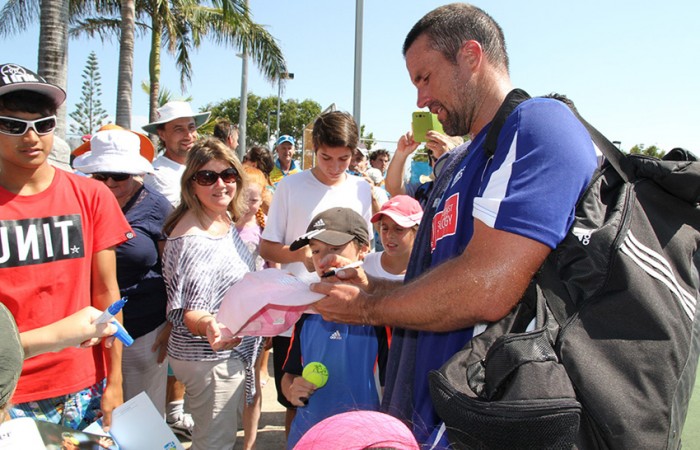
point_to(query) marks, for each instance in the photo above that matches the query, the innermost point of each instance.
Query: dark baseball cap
(335, 226)
(11, 355)
(14, 77)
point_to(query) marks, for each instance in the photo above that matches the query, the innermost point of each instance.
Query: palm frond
(164, 94)
(182, 60)
(240, 32)
(17, 15)
(232, 8)
(84, 9)
(104, 28)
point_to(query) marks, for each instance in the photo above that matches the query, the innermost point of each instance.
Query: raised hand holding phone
(424, 121)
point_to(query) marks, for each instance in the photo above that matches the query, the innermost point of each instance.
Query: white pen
(334, 270)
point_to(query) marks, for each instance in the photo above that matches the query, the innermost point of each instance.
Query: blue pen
(108, 316)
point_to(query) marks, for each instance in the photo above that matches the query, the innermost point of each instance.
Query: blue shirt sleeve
(543, 164)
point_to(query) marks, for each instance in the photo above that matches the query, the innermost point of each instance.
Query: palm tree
(54, 16)
(53, 50)
(125, 78)
(16, 15)
(180, 25)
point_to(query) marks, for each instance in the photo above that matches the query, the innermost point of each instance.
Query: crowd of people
(173, 231)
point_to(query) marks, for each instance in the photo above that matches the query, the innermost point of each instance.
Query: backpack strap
(516, 97)
(611, 153)
(512, 100)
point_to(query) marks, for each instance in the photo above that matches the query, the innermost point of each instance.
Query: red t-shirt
(46, 245)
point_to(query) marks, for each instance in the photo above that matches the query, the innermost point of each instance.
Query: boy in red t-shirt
(57, 237)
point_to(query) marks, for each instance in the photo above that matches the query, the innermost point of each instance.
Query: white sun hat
(116, 151)
(175, 110)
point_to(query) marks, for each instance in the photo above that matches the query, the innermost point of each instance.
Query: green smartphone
(424, 121)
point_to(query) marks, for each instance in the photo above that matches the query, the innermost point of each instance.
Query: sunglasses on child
(104, 176)
(209, 177)
(13, 126)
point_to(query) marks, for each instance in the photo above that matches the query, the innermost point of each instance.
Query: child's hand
(331, 261)
(160, 345)
(406, 145)
(308, 259)
(79, 327)
(355, 276)
(300, 391)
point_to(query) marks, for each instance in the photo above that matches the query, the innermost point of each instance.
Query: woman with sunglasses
(117, 158)
(204, 256)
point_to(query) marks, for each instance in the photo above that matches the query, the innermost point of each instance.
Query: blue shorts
(76, 410)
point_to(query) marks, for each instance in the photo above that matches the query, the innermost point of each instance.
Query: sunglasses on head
(13, 126)
(104, 176)
(209, 177)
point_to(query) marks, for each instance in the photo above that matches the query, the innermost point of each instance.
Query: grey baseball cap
(335, 226)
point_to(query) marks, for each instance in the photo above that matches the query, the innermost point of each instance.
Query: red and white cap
(402, 209)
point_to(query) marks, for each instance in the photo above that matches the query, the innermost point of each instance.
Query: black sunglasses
(13, 126)
(104, 176)
(209, 177)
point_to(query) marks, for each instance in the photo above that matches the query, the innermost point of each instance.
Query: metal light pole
(357, 96)
(243, 111)
(283, 76)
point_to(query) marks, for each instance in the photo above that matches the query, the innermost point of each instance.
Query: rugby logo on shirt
(36, 241)
(445, 221)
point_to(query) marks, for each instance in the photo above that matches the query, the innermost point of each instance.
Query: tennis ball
(315, 373)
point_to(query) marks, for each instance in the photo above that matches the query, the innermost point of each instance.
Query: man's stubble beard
(458, 121)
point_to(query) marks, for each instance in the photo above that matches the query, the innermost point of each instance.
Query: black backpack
(611, 360)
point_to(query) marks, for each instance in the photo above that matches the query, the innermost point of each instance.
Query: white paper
(137, 425)
(20, 433)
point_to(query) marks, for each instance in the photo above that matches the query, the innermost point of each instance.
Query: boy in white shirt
(299, 198)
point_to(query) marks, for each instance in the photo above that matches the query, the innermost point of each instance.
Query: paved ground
(271, 427)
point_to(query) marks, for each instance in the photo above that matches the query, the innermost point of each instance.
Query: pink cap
(265, 303)
(402, 209)
(357, 430)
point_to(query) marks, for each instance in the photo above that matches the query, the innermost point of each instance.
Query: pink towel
(265, 303)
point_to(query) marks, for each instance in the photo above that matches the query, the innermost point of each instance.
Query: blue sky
(632, 67)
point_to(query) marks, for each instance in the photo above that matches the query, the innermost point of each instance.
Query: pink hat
(402, 209)
(265, 303)
(357, 430)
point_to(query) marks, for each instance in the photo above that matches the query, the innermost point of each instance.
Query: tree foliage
(653, 151)
(180, 26)
(295, 115)
(165, 95)
(89, 114)
(367, 138)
